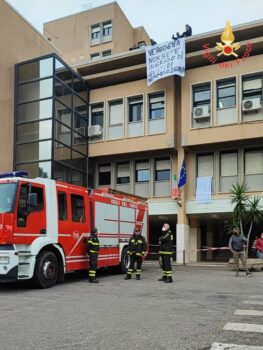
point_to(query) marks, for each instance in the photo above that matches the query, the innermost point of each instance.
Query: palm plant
(246, 210)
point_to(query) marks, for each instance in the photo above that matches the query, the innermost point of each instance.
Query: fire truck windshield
(7, 193)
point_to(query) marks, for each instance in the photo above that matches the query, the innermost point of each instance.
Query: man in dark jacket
(237, 244)
(166, 252)
(93, 248)
(136, 250)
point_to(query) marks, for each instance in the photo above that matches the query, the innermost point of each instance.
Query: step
(22, 276)
(24, 263)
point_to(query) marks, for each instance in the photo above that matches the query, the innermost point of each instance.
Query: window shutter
(163, 164)
(205, 165)
(142, 165)
(229, 164)
(123, 170)
(157, 98)
(116, 113)
(104, 168)
(252, 84)
(254, 162)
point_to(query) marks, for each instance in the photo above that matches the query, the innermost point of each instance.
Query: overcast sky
(161, 18)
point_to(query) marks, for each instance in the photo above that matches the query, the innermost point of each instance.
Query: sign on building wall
(165, 59)
(204, 189)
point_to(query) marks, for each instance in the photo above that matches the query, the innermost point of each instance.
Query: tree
(246, 210)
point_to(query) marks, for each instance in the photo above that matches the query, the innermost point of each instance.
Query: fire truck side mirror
(32, 200)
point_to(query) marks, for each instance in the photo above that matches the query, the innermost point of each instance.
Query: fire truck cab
(44, 226)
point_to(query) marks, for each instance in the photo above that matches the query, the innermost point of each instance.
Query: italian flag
(175, 189)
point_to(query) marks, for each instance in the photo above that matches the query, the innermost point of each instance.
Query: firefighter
(93, 248)
(166, 252)
(136, 250)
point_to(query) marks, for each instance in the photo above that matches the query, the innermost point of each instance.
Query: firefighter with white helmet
(166, 252)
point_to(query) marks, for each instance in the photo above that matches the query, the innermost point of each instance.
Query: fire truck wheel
(125, 260)
(46, 270)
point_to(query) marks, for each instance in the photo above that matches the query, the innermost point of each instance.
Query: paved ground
(116, 314)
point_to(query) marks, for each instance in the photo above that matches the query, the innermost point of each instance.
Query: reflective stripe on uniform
(93, 243)
(130, 272)
(93, 251)
(138, 254)
(165, 253)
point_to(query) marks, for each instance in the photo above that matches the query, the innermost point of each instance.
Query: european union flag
(182, 180)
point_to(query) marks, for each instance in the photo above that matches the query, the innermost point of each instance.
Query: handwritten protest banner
(165, 59)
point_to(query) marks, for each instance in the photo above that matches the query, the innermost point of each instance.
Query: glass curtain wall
(51, 121)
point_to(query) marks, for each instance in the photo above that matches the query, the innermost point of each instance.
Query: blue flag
(182, 180)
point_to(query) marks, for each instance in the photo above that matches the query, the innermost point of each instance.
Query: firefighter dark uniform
(166, 252)
(136, 250)
(93, 248)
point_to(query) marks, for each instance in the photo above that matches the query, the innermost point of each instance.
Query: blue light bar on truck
(20, 173)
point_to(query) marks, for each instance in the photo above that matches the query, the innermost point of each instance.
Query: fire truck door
(30, 221)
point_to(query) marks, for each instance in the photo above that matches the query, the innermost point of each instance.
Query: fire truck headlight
(4, 260)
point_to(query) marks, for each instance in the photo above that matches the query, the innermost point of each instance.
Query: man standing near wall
(237, 244)
(166, 252)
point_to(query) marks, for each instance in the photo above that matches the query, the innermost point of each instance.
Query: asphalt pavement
(190, 313)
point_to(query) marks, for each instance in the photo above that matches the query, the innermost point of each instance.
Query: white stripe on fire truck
(27, 234)
(81, 236)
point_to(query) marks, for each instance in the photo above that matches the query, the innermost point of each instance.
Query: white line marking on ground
(256, 296)
(253, 302)
(221, 346)
(244, 327)
(249, 312)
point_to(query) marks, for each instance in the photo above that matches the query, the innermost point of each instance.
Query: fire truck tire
(46, 270)
(125, 260)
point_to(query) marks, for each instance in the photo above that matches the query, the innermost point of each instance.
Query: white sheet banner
(204, 189)
(165, 59)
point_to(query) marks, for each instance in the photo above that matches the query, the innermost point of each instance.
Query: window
(106, 53)
(156, 106)
(142, 172)
(77, 208)
(97, 114)
(64, 115)
(254, 169)
(115, 112)
(162, 169)
(104, 174)
(141, 44)
(201, 95)
(95, 56)
(95, 32)
(135, 109)
(123, 173)
(107, 29)
(22, 211)
(228, 170)
(254, 162)
(62, 206)
(226, 93)
(205, 165)
(252, 87)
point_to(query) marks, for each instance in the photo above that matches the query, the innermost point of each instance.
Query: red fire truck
(44, 226)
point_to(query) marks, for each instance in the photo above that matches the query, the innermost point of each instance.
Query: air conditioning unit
(252, 104)
(201, 112)
(82, 131)
(94, 130)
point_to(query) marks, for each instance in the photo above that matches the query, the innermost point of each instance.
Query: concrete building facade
(138, 135)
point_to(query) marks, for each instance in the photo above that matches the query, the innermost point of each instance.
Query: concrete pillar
(194, 243)
(209, 242)
(182, 243)
(182, 227)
